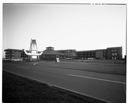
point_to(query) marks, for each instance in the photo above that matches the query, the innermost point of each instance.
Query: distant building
(100, 54)
(86, 54)
(113, 53)
(13, 54)
(50, 54)
(69, 54)
(24, 56)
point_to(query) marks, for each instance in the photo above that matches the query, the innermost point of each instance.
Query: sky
(64, 26)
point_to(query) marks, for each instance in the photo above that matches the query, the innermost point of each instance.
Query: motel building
(13, 54)
(51, 54)
(111, 53)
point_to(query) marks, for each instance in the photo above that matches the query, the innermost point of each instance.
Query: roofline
(114, 47)
(13, 49)
(69, 49)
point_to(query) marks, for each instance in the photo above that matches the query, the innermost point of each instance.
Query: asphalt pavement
(104, 86)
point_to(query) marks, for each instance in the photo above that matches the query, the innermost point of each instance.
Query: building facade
(86, 54)
(51, 54)
(69, 54)
(13, 54)
(113, 53)
(100, 54)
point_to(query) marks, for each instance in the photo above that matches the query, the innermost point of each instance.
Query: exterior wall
(68, 53)
(13, 54)
(114, 53)
(86, 54)
(101, 54)
(16, 55)
(24, 56)
(8, 54)
(50, 54)
(48, 57)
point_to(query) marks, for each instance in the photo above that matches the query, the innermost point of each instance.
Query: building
(113, 53)
(13, 54)
(86, 54)
(28, 55)
(24, 56)
(69, 54)
(51, 54)
(100, 54)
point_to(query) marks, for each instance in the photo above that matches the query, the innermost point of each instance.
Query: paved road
(106, 87)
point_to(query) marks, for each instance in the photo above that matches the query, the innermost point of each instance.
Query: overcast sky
(64, 26)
